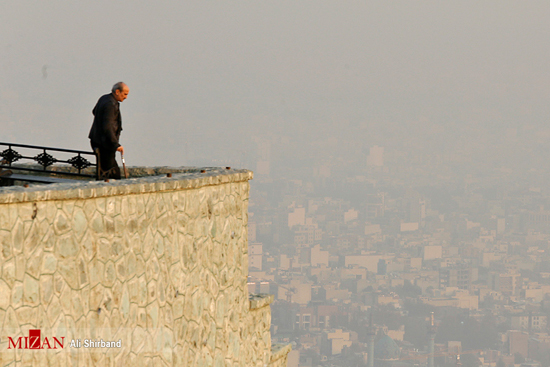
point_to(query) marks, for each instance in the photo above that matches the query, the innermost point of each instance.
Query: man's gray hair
(118, 86)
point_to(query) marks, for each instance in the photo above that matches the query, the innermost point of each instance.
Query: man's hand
(120, 149)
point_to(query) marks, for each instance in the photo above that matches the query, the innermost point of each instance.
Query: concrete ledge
(279, 351)
(260, 300)
(192, 179)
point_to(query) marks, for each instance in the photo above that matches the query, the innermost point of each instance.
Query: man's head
(120, 91)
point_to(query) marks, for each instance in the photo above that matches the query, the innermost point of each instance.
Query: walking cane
(124, 166)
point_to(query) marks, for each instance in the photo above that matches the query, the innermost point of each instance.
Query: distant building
(532, 321)
(372, 229)
(508, 283)
(255, 256)
(297, 217)
(285, 262)
(318, 256)
(375, 157)
(369, 262)
(538, 220)
(251, 231)
(324, 315)
(335, 341)
(316, 318)
(460, 276)
(376, 205)
(382, 267)
(350, 215)
(459, 300)
(304, 318)
(518, 342)
(417, 210)
(307, 234)
(433, 252)
(397, 334)
(409, 227)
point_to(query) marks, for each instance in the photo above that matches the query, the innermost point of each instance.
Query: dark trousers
(108, 166)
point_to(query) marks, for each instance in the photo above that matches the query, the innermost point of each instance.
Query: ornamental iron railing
(74, 158)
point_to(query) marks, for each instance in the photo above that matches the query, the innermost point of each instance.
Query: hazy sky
(206, 77)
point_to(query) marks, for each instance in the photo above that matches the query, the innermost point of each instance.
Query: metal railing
(9, 156)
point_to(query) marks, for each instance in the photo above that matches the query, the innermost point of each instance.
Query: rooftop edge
(94, 189)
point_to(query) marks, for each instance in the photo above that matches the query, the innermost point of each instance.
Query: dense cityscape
(376, 254)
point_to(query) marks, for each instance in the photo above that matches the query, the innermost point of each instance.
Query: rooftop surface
(181, 179)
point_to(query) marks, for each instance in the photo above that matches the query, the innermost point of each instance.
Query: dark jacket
(107, 125)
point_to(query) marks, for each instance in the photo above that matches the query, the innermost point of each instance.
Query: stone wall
(157, 263)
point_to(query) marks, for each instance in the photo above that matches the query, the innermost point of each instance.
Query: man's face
(123, 94)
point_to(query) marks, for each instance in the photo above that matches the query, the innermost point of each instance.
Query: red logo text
(35, 341)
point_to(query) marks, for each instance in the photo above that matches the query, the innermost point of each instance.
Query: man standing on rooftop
(106, 128)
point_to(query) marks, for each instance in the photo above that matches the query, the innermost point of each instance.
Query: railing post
(44, 165)
(79, 168)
